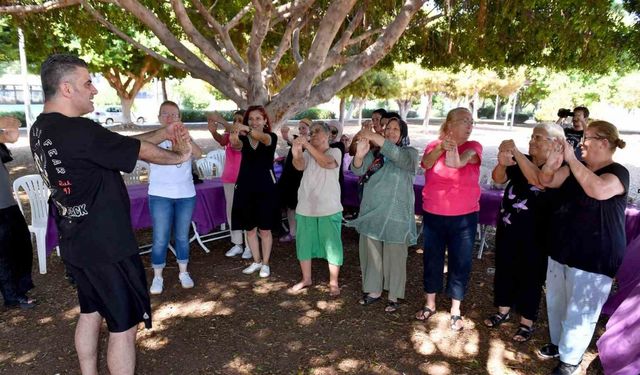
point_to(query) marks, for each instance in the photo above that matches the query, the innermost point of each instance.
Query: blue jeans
(168, 214)
(457, 234)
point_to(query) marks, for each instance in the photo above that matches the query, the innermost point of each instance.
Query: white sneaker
(252, 268)
(265, 271)
(185, 280)
(247, 253)
(156, 285)
(235, 250)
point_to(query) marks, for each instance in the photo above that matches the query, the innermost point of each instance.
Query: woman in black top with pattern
(521, 262)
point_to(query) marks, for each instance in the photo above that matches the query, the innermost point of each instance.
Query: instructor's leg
(87, 334)
(121, 354)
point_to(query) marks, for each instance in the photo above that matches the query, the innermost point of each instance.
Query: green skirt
(319, 237)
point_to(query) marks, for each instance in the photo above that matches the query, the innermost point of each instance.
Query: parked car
(111, 115)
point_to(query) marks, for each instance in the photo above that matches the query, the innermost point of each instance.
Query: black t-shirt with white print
(81, 161)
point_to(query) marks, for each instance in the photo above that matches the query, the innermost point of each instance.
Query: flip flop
(392, 306)
(368, 300)
(424, 313)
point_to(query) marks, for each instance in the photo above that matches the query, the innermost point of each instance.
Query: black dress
(521, 262)
(289, 183)
(255, 201)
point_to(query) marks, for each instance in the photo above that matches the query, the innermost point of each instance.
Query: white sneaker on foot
(247, 253)
(252, 268)
(156, 285)
(235, 250)
(185, 280)
(265, 271)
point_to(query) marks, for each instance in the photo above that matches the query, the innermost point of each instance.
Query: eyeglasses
(170, 115)
(585, 138)
(334, 131)
(538, 138)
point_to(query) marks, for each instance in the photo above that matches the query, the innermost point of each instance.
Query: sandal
(368, 300)
(523, 334)
(425, 313)
(454, 323)
(392, 306)
(496, 319)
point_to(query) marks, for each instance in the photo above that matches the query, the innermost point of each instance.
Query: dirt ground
(231, 323)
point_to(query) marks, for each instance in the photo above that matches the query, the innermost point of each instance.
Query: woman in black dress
(289, 181)
(521, 262)
(255, 203)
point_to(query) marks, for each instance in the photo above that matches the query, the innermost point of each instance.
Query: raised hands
(362, 147)
(177, 130)
(284, 131)
(367, 124)
(182, 144)
(214, 119)
(506, 153)
(556, 156)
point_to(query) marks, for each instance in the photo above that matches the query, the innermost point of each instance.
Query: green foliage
(17, 114)
(195, 115)
(374, 84)
(315, 114)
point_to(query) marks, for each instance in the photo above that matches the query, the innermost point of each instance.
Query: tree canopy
(293, 55)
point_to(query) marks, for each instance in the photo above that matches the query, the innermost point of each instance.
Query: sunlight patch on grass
(295, 304)
(329, 306)
(436, 368)
(45, 320)
(71, 314)
(294, 346)
(17, 320)
(5, 356)
(239, 366)
(153, 342)
(436, 335)
(350, 364)
(193, 309)
(266, 287)
(26, 357)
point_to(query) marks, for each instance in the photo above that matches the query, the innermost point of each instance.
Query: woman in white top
(172, 198)
(319, 211)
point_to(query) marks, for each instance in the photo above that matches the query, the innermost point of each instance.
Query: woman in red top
(451, 198)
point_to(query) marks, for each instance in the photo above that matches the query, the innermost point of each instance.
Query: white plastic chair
(135, 177)
(208, 168)
(219, 156)
(38, 194)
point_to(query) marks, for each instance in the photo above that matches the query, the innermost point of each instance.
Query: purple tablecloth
(619, 346)
(489, 200)
(209, 212)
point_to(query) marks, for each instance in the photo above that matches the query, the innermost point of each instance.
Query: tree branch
(191, 62)
(295, 47)
(223, 33)
(298, 19)
(44, 7)
(203, 44)
(257, 90)
(236, 19)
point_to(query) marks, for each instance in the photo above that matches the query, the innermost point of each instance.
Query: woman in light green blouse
(386, 222)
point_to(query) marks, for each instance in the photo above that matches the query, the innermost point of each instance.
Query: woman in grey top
(386, 222)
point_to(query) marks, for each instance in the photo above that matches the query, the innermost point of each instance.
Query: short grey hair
(553, 130)
(322, 124)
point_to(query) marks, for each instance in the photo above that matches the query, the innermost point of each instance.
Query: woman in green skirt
(319, 211)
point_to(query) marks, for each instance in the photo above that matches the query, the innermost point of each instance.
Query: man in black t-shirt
(575, 133)
(81, 161)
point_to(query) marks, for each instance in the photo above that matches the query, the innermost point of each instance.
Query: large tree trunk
(404, 105)
(350, 106)
(427, 112)
(163, 84)
(126, 104)
(343, 104)
(357, 104)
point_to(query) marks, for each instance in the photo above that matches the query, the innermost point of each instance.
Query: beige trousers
(383, 266)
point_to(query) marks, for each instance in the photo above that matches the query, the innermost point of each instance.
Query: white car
(111, 115)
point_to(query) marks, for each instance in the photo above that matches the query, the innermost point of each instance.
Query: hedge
(315, 114)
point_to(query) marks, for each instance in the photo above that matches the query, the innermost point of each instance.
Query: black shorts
(117, 291)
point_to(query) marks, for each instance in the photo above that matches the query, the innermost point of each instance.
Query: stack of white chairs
(136, 176)
(218, 156)
(208, 168)
(38, 194)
